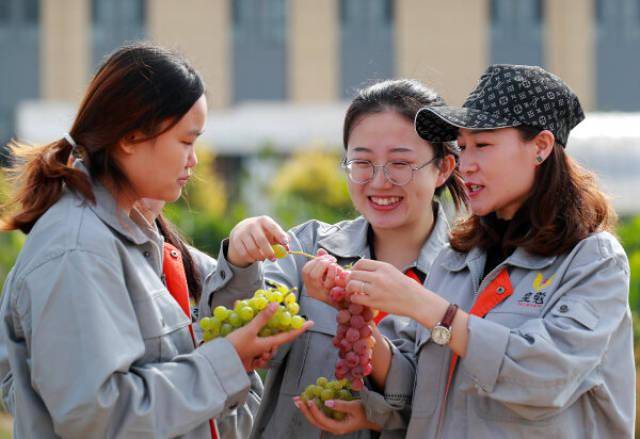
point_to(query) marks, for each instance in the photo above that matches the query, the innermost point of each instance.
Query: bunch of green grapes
(225, 320)
(324, 390)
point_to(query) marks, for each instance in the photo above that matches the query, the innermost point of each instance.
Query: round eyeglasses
(398, 173)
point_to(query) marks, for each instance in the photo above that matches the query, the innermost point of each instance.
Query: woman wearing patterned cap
(523, 328)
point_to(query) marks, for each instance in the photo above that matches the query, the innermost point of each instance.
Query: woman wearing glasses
(394, 177)
(524, 329)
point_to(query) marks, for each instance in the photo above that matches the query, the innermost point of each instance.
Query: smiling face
(160, 167)
(498, 168)
(388, 137)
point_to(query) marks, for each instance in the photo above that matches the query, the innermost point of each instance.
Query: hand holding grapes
(381, 286)
(251, 348)
(319, 275)
(251, 240)
(355, 418)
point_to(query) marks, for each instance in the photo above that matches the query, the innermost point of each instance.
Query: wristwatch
(441, 333)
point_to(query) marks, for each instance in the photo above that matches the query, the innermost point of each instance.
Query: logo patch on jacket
(536, 298)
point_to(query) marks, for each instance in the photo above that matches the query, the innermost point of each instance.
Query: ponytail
(137, 89)
(40, 174)
(454, 184)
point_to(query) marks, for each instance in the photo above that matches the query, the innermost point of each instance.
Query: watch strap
(449, 315)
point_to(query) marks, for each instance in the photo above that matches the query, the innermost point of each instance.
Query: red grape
(353, 337)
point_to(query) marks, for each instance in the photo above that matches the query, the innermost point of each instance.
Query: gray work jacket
(554, 359)
(312, 355)
(96, 344)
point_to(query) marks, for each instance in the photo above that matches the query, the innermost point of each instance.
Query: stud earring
(539, 159)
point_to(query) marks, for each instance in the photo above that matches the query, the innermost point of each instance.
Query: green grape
(280, 251)
(344, 395)
(327, 394)
(258, 303)
(316, 390)
(322, 382)
(215, 331)
(225, 329)
(235, 320)
(290, 298)
(274, 322)
(297, 322)
(214, 324)
(246, 313)
(293, 308)
(260, 293)
(240, 304)
(221, 313)
(283, 289)
(265, 332)
(308, 393)
(207, 336)
(285, 320)
(276, 296)
(205, 324)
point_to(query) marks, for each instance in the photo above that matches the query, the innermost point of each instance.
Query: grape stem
(301, 253)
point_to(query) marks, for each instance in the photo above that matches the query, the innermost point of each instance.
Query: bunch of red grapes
(353, 337)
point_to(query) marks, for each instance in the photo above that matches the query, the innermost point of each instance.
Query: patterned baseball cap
(507, 96)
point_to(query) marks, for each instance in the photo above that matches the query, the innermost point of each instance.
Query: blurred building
(280, 71)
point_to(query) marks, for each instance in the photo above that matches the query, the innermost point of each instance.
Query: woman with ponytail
(96, 344)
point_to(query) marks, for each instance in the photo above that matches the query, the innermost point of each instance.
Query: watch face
(440, 335)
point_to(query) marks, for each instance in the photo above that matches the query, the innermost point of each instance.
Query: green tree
(310, 185)
(10, 242)
(629, 232)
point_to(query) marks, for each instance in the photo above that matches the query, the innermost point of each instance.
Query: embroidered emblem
(536, 298)
(540, 283)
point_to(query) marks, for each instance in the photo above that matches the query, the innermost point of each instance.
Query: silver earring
(539, 159)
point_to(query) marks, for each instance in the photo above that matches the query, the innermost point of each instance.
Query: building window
(618, 36)
(516, 31)
(31, 11)
(259, 49)
(5, 11)
(366, 43)
(19, 45)
(115, 22)
(599, 9)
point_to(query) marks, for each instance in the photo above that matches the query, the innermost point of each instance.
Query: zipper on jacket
(482, 285)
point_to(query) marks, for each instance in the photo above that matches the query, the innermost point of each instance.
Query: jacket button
(500, 290)
(223, 275)
(564, 308)
(147, 253)
(174, 254)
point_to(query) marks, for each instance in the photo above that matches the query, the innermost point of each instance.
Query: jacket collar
(349, 240)
(437, 240)
(135, 228)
